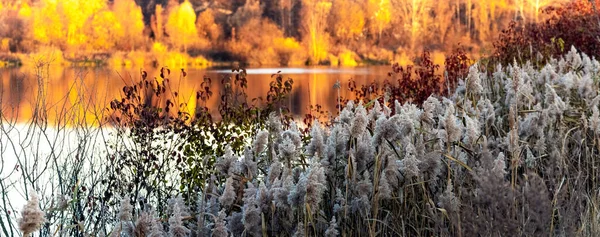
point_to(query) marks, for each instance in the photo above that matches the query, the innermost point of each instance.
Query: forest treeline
(260, 32)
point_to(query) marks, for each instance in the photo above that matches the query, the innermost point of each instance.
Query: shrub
(415, 83)
(574, 23)
(174, 149)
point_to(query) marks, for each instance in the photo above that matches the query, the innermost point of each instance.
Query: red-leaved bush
(576, 23)
(415, 83)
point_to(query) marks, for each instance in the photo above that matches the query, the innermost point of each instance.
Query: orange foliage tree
(157, 23)
(207, 27)
(347, 20)
(379, 15)
(262, 42)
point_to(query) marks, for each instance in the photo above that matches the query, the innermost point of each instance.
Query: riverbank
(160, 57)
(156, 58)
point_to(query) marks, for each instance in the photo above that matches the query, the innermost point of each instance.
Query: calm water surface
(82, 94)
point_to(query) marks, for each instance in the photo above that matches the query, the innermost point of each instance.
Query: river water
(87, 91)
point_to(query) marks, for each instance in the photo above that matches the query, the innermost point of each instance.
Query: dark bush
(575, 23)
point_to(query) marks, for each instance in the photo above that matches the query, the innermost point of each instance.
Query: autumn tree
(75, 15)
(207, 27)
(347, 20)
(415, 16)
(535, 7)
(281, 12)
(12, 29)
(250, 10)
(129, 15)
(257, 42)
(379, 15)
(48, 26)
(483, 22)
(181, 26)
(314, 26)
(443, 22)
(103, 31)
(501, 13)
(157, 23)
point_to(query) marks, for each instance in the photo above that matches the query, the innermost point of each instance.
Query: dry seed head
(32, 217)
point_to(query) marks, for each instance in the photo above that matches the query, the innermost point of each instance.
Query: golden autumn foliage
(181, 26)
(314, 24)
(25, 10)
(340, 32)
(76, 18)
(347, 58)
(414, 16)
(290, 51)
(87, 25)
(347, 19)
(207, 27)
(379, 15)
(103, 29)
(158, 23)
(129, 16)
(47, 24)
(262, 42)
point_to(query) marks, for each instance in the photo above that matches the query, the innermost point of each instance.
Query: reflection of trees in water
(16, 89)
(65, 86)
(296, 100)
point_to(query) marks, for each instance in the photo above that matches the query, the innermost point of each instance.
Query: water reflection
(81, 95)
(301, 71)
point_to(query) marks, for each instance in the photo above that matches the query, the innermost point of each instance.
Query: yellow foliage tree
(157, 23)
(348, 19)
(181, 26)
(25, 10)
(129, 15)
(48, 27)
(207, 27)
(314, 25)
(104, 30)
(483, 23)
(380, 16)
(75, 15)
